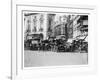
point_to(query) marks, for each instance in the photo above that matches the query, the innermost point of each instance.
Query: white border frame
(18, 73)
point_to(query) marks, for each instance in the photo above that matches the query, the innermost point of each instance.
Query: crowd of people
(56, 45)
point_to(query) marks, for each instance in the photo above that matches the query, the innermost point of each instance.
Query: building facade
(53, 25)
(35, 23)
(60, 26)
(80, 26)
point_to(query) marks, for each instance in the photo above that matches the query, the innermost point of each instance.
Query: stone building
(60, 27)
(35, 23)
(80, 26)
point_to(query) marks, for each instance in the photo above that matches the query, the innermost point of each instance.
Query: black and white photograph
(55, 39)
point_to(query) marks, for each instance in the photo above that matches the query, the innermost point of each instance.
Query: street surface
(48, 58)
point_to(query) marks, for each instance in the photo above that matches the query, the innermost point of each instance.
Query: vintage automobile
(79, 45)
(33, 41)
(34, 44)
(84, 47)
(27, 44)
(45, 45)
(60, 46)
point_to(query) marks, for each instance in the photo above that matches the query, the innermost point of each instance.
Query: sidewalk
(40, 58)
